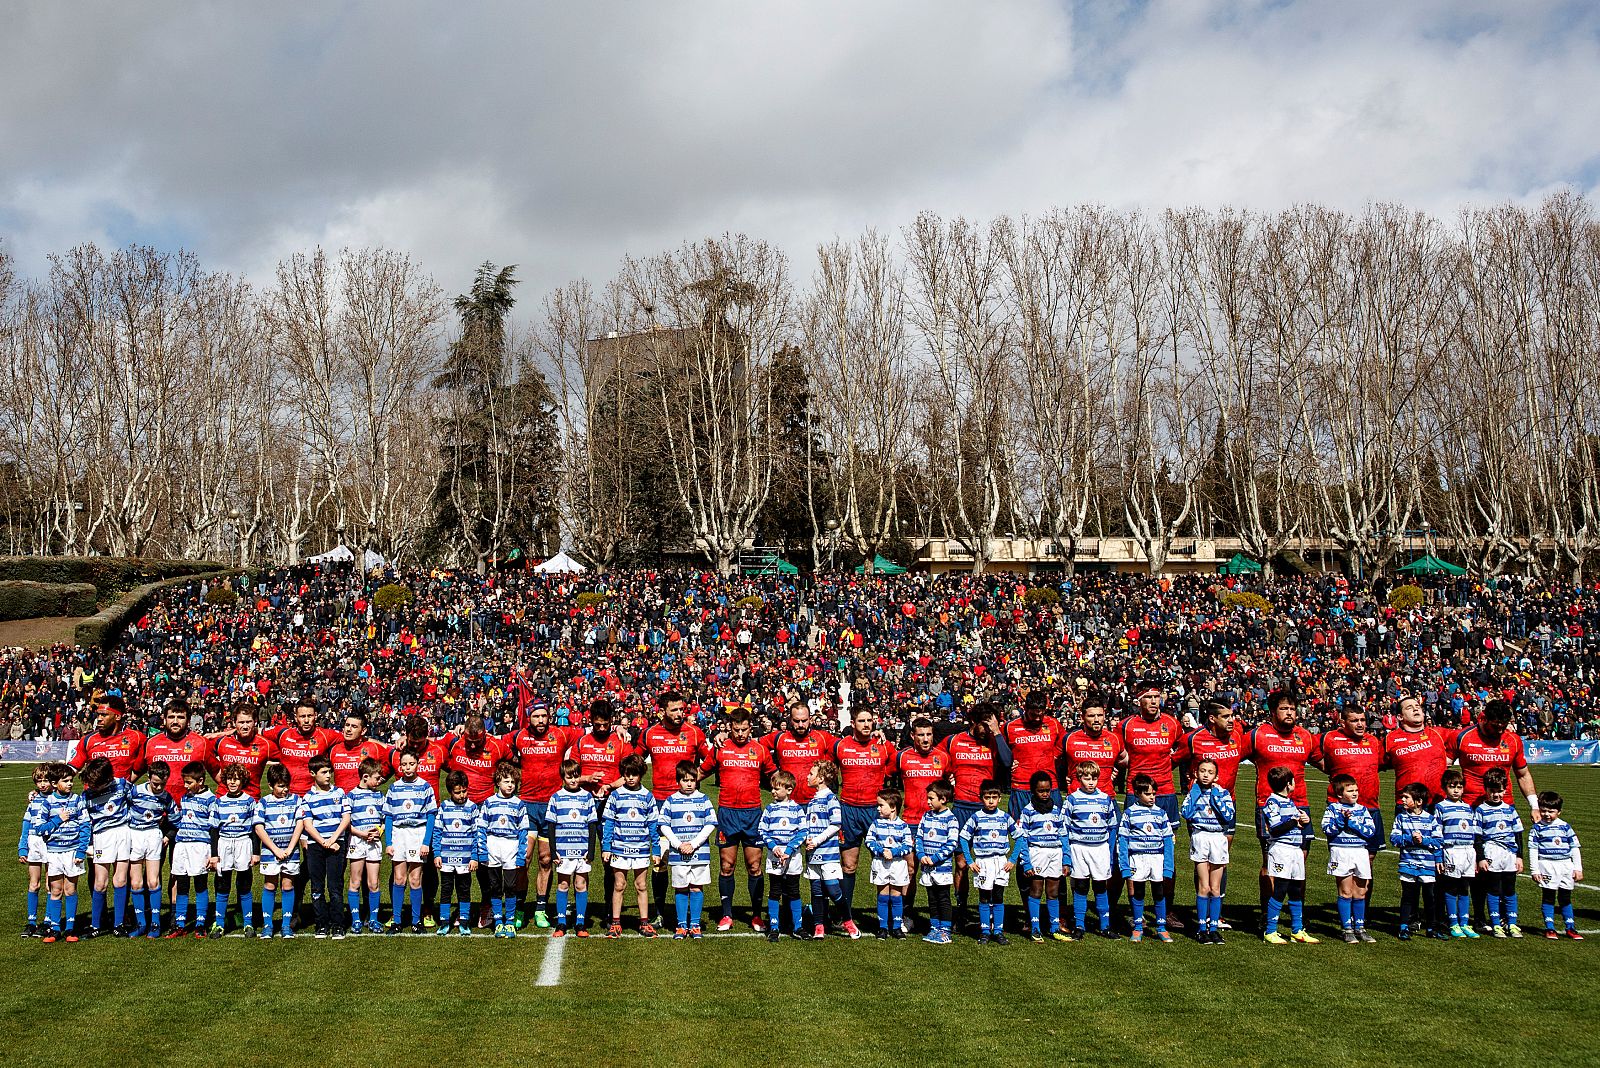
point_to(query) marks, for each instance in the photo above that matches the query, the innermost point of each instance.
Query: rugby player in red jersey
(920, 765)
(1416, 751)
(1349, 750)
(978, 753)
(799, 746)
(740, 763)
(1490, 743)
(865, 760)
(1151, 737)
(301, 740)
(112, 739)
(1280, 743)
(666, 744)
(176, 744)
(539, 748)
(1221, 741)
(1036, 739)
(352, 748)
(1092, 742)
(244, 746)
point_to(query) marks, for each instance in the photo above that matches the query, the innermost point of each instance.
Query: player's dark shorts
(1379, 836)
(964, 811)
(1021, 798)
(857, 821)
(1167, 803)
(738, 826)
(536, 818)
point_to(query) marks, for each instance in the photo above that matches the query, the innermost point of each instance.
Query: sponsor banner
(1547, 752)
(35, 752)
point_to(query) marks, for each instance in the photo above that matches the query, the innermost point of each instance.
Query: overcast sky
(563, 136)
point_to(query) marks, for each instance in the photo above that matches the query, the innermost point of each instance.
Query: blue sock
(897, 911)
(772, 913)
(138, 912)
(269, 905)
(33, 906)
(119, 905)
(753, 884)
(1358, 906)
(983, 916)
(997, 915)
(847, 887)
(1080, 909)
(1274, 910)
(508, 908)
(725, 885)
(219, 908)
(202, 907)
(1509, 907)
(352, 898)
(97, 908)
(1550, 915)
(1052, 907)
(1346, 914)
(288, 905)
(1567, 917)
(498, 909)
(1138, 913)
(69, 913)
(697, 905)
(1102, 909)
(444, 914)
(794, 914)
(680, 901)
(581, 908)
(883, 912)
(561, 908)
(1493, 905)
(397, 897)
(52, 913)
(154, 907)
(1297, 913)
(1161, 912)
(247, 908)
(1033, 913)
(182, 915)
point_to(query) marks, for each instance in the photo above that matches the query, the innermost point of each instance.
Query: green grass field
(401, 1001)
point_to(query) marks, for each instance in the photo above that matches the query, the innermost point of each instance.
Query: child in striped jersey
(991, 858)
(454, 846)
(571, 815)
(1043, 830)
(1211, 815)
(365, 852)
(233, 825)
(1458, 826)
(937, 836)
(503, 846)
(66, 846)
(1145, 847)
(106, 797)
(191, 852)
(1091, 827)
(628, 837)
(1349, 829)
(279, 828)
(151, 810)
(890, 842)
(688, 822)
(1286, 836)
(327, 818)
(408, 813)
(1557, 863)
(824, 820)
(30, 847)
(1499, 853)
(783, 833)
(1416, 833)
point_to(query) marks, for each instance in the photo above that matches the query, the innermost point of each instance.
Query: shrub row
(30, 600)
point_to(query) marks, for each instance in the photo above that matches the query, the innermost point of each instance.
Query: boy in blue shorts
(572, 817)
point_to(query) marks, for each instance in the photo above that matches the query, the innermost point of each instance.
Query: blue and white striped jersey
(1145, 830)
(571, 815)
(1555, 840)
(629, 829)
(504, 818)
(234, 815)
(824, 821)
(1459, 822)
(149, 808)
(324, 810)
(68, 820)
(409, 803)
(1280, 822)
(366, 810)
(1043, 830)
(194, 817)
(279, 816)
(455, 833)
(936, 841)
(1091, 818)
(1415, 859)
(988, 834)
(1347, 826)
(1501, 825)
(891, 836)
(35, 821)
(783, 826)
(108, 809)
(688, 819)
(1210, 809)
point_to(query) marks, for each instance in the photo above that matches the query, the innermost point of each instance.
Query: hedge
(105, 626)
(30, 600)
(751, 603)
(393, 596)
(1247, 599)
(1042, 595)
(109, 575)
(1406, 598)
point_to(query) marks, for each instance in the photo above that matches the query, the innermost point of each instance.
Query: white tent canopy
(370, 560)
(337, 555)
(560, 564)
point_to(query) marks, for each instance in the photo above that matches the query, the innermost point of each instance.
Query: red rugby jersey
(1203, 744)
(188, 748)
(478, 767)
(1271, 748)
(540, 757)
(124, 748)
(1101, 750)
(430, 763)
(595, 755)
(1418, 756)
(1477, 755)
(252, 756)
(347, 760)
(1150, 747)
(796, 755)
(1359, 758)
(917, 772)
(971, 762)
(1034, 749)
(739, 770)
(863, 768)
(666, 749)
(295, 751)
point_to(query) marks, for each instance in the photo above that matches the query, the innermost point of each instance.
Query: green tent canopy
(1431, 565)
(881, 566)
(774, 565)
(1240, 564)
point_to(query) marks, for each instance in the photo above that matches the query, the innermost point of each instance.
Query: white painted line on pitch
(550, 970)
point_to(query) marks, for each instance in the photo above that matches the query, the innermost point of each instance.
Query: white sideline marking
(550, 970)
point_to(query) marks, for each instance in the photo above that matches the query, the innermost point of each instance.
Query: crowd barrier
(34, 752)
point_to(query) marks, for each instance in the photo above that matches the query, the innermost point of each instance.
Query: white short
(1287, 861)
(687, 875)
(361, 849)
(407, 843)
(827, 871)
(1460, 861)
(572, 865)
(144, 844)
(895, 872)
(455, 867)
(929, 876)
(191, 858)
(1208, 847)
(271, 865)
(1423, 879)
(37, 853)
(1091, 862)
(503, 853)
(629, 863)
(64, 864)
(792, 866)
(1499, 857)
(1046, 862)
(111, 846)
(990, 872)
(1553, 874)
(1147, 867)
(235, 854)
(1349, 860)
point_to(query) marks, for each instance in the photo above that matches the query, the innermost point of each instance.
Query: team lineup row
(1045, 834)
